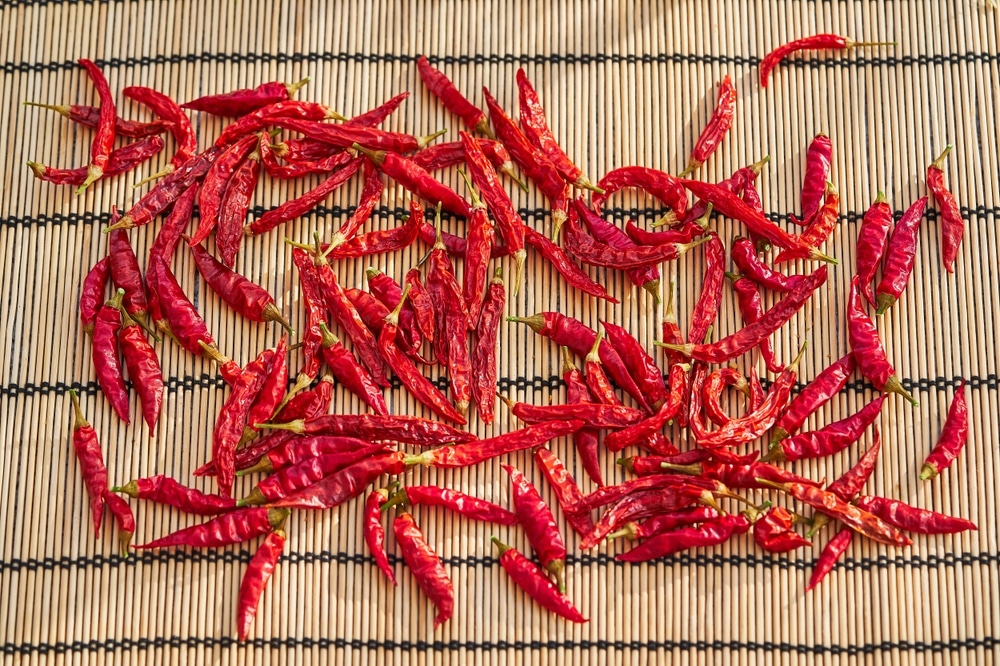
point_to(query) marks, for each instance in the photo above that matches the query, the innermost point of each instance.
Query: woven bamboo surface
(623, 83)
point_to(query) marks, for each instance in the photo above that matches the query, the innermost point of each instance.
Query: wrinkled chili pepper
(718, 125)
(710, 533)
(595, 377)
(378, 115)
(712, 390)
(233, 417)
(389, 292)
(121, 160)
(104, 353)
(315, 307)
(658, 184)
(246, 100)
(290, 110)
(484, 351)
(867, 348)
(814, 42)
(402, 429)
(345, 135)
(349, 372)
(453, 100)
(90, 116)
(536, 585)
(594, 415)
(635, 434)
(186, 325)
(611, 494)
(380, 241)
(736, 475)
(564, 486)
(346, 483)
(178, 122)
(849, 484)
(819, 228)
(745, 257)
(827, 560)
(307, 404)
(211, 196)
(374, 532)
(104, 137)
(954, 435)
(638, 506)
(819, 158)
(444, 155)
(229, 369)
(421, 302)
(479, 243)
(585, 440)
(913, 519)
(124, 518)
(458, 502)
(173, 227)
(752, 309)
(773, 531)
(271, 393)
(952, 223)
(472, 453)
(416, 180)
(665, 522)
(649, 277)
(539, 525)
(165, 490)
(255, 579)
(230, 528)
(88, 453)
(575, 276)
(301, 449)
(125, 272)
(456, 245)
(643, 369)
(426, 566)
(143, 368)
(92, 294)
(871, 245)
(816, 394)
(706, 309)
(684, 234)
(829, 439)
(235, 205)
(451, 323)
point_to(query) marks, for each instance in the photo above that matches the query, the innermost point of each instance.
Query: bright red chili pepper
(850, 483)
(658, 184)
(472, 453)
(121, 160)
(92, 294)
(635, 434)
(595, 377)
(215, 184)
(307, 404)
(649, 277)
(88, 453)
(235, 205)
(712, 390)
(250, 454)
(539, 525)
(458, 502)
(867, 348)
(536, 585)
(422, 303)
(564, 486)
(827, 560)
(350, 373)
(230, 528)
(456, 245)
(104, 137)
(90, 116)
(484, 352)
(390, 293)
(814, 42)
(748, 298)
(450, 153)
(479, 244)
(233, 417)
(871, 245)
(344, 136)
(575, 277)
(241, 102)
(683, 234)
(186, 325)
(611, 494)
(295, 450)
(125, 272)
(745, 257)
(718, 125)
(333, 159)
(642, 368)
(104, 353)
(736, 474)
(585, 440)
(165, 490)
(143, 368)
(290, 110)
(816, 394)
(316, 314)
(374, 532)
(426, 566)
(416, 180)
(913, 519)
(380, 241)
(255, 579)
(453, 100)
(665, 522)
(378, 115)
(952, 223)
(346, 483)
(954, 435)
(451, 324)
(178, 122)
(773, 531)
(271, 394)
(402, 429)
(594, 415)
(124, 518)
(829, 439)
(710, 533)
(174, 225)
(819, 158)
(638, 506)
(706, 309)
(819, 228)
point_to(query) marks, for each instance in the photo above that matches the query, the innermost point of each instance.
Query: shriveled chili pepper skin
(816, 394)
(124, 518)
(271, 392)
(241, 102)
(536, 585)
(745, 257)
(211, 196)
(827, 560)
(643, 369)
(233, 417)
(166, 490)
(484, 350)
(415, 179)
(913, 519)
(642, 430)
(813, 42)
(345, 135)
(867, 348)
(104, 352)
(92, 294)
(871, 245)
(819, 158)
(173, 227)
(143, 369)
(819, 229)
(658, 184)
(346, 483)
(121, 160)
(450, 153)
(104, 137)
(952, 223)
(954, 435)
(573, 274)
(611, 494)
(125, 272)
(453, 100)
(173, 114)
(186, 324)
(706, 309)
(474, 452)
(665, 522)
(648, 278)
(422, 303)
(594, 415)
(314, 302)
(88, 453)
(456, 245)
(748, 298)
(710, 533)
(350, 373)
(290, 110)
(255, 579)
(829, 439)
(235, 204)
(458, 502)
(899, 256)
(379, 114)
(595, 377)
(374, 532)
(426, 566)
(539, 525)
(230, 528)
(402, 429)
(89, 116)
(296, 207)
(773, 532)
(479, 243)
(712, 390)
(451, 324)
(565, 488)
(585, 440)
(718, 125)
(296, 450)
(637, 506)
(380, 241)
(366, 347)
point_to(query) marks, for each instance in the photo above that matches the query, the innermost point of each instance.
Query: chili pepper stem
(556, 569)
(124, 223)
(653, 289)
(295, 87)
(128, 319)
(80, 420)
(774, 454)
(893, 385)
(166, 171)
(423, 141)
(271, 313)
(501, 546)
(758, 166)
(94, 174)
(669, 219)
(884, 302)
(483, 127)
(585, 183)
(928, 472)
(255, 498)
(297, 426)
(398, 498)
(686, 349)
(938, 163)
(131, 489)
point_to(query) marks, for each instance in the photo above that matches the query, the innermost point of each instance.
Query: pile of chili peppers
(275, 420)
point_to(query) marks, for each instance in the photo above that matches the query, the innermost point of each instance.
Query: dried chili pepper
(143, 368)
(479, 243)
(867, 348)
(871, 244)
(638, 506)
(647, 374)
(121, 160)
(601, 416)
(458, 502)
(426, 566)
(346, 483)
(349, 372)
(706, 309)
(215, 184)
(954, 435)
(104, 137)
(819, 157)
(235, 204)
(573, 274)
(456, 245)
(124, 518)
(827, 560)
(712, 390)
(173, 227)
(422, 304)
(271, 393)
(230, 528)
(850, 483)
(748, 298)
(444, 155)
(819, 229)
(484, 352)
(665, 522)
(374, 532)
(913, 519)
(402, 429)
(92, 294)
(634, 434)
(530, 578)
(297, 450)
(683, 234)
(595, 377)
(816, 394)
(718, 125)
(611, 494)
(710, 533)
(186, 325)
(344, 136)
(585, 440)
(178, 123)
(658, 184)
(165, 490)
(453, 100)
(829, 439)
(736, 475)
(564, 486)
(125, 272)
(104, 353)
(88, 453)
(649, 277)
(472, 453)
(952, 223)
(380, 241)
(773, 531)
(378, 115)
(290, 110)
(315, 306)
(255, 579)
(745, 257)
(90, 116)
(390, 293)
(241, 102)
(307, 404)
(814, 42)
(539, 525)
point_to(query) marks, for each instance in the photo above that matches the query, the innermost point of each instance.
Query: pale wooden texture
(623, 84)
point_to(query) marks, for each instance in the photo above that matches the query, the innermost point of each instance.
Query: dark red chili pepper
(479, 243)
(595, 377)
(564, 486)
(952, 224)
(913, 519)
(143, 368)
(647, 374)
(374, 532)
(173, 114)
(718, 125)
(186, 324)
(255, 579)
(104, 137)
(233, 417)
(308, 404)
(125, 272)
(104, 353)
(638, 506)
(344, 136)
(867, 347)
(90, 116)
(871, 244)
(121, 160)
(402, 429)
(585, 440)
(819, 157)
(426, 566)
(814, 42)
(451, 323)
(350, 373)
(235, 205)
(453, 100)
(658, 184)
(371, 193)
(422, 303)
(750, 336)
(230, 528)
(953, 437)
(736, 475)
(599, 416)
(752, 309)
(458, 502)
(456, 245)
(829, 439)
(827, 560)
(444, 155)
(575, 277)
(684, 234)
(471, 453)
(710, 533)
(484, 352)
(244, 101)
(346, 483)
(665, 522)
(92, 294)
(174, 226)
(539, 525)
(124, 518)
(378, 115)
(816, 394)
(649, 277)
(88, 452)
(250, 454)
(315, 306)
(213, 189)
(297, 450)
(773, 531)
(291, 110)
(165, 490)
(706, 309)
(611, 494)
(635, 434)
(712, 390)
(304, 150)
(333, 160)
(271, 393)
(380, 241)
(745, 257)
(536, 585)
(390, 293)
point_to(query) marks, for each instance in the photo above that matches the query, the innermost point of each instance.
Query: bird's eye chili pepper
(90, 116)
(871, 245)
(484, 351)
(174, 225)
(635, 434)
(684, 234)
(867, 348)
(565, 488)
(235, 205)
(539, 525)
(649, 277)
(751, 335)
(585, 440)
(773, 531)
(913, 519)
(643, 369)
(850, 483)
(811, 43)
(575, 277)
(143, 368)
(751, 267)
(453, 500)
(819, 158)
(186, 324)
(535, 126)
(173, 114)
(426, 566)
(349, 372)
(304, 150)
(124, 518)
(271, 392)
(390, 293)
(829, 439)
(530, 578)
(374, 532)
(665, 522)
(952, 223)
(710, 533)
(636, 507)
(712, 390)
(752, 309)
(213, 188)
(121, 160)
(658, 184)
(104, 137)
(452, 99)
(954, 435)
(402, 429)
(816, 394)
(92, 294)
(827, 560)
(300, 449)
(104, 353)
(718, 125)
(291, 110)
(255, 579)
(451, 322)
(472, 453)
(230, 528)
(597, 380)
(88, 453)
(448, 154)
(819, 229)
(345, 484)
(246, 100)
(478, 245)
(706, 309)
(125, 272)
(344, 136)
(165, 490)
(599, 416)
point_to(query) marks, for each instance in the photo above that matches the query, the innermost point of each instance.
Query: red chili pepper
(585, 440)
(952, 223)
(121, 160)
(173, 114)
(575, 277)
(536, 585)
(390, 293)
(104, 137)
(713, 387)
(371, 193)
(165, 490)
(635, 434)
(566, 490)
(344, 136)
(124, 518)
(819, 157)
(316, 314)
(90, 116)
(451, 323)
(346, 483)
(333, 159)
(88, 452)
(814, 42)
(539, 525)
(867, 347)
(378, 115)
(773, 531)
(215, 184)
(665, 522)
(737, 475)
(458, 502)
(658, 184)
(350, 373)
(718, 125)
(235, 205)
(816, 394)
(954, 435)
(251, 454)
(456, 245)
(426, 566)
(819, 228)
(92, 294)
(595, 377)
(745, 257)
(649, 277)
(246, 100)
(380, 241)
(752, 310)
(611, 494)
(829, 439)
(684, 234)
(913, 519)
(643, 369)
(450, 153)
(295, 450)
(827, 560)
(291, 110)
(271, 393)
(709, 533)
(850, 483)
(402, 429)
(599, 416)
(484, 352)
(706, 309)
(186, 324)
(871, 244)
(225, 530)
(422, 304)
(472, 453)
(143, 368)
(638, 506)
(453, 100)
(307, 404)
(374, 532)
(174, 226)
(479, 244)
(125, 272)
(255, 579)
(104, 353)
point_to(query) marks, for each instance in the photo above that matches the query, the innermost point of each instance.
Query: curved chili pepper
(88, 452)
(611, 494)
(665, 522)
(125, 272)
(390, 293)
(186, 324)
(143, 368)
(745, 257)
(814, 42)
(307, 404)
(451, 323)
(573, 274)
(330, 162)
(291, 110)
(478, 245)
(173, 227)
(456, 245)
(643, 369)
(349, 372)
(215, 184)
(593, 415)
(255, 579)
(450, 153)
(453, 100)
(829, 439)
(250, 454)
(718, 125)
(773, 531)
(536, 585)
(819, 157)
(458, 502)
(371, 193)
(648, 278)
(868, 349)
(165, 490)
(539, 525)
(744, 475)
(706, 309)
(92, 294)
(954, 435)
(104, 137)
(346, 483)
(297, 450)
(710, 533)
(871, 244)
(484, 352)
(638, 506)
(345, 135)
(246, 100)
(374, 532)
(752, 310)
(271, 393)
(913, 519)
(658, 184)
(121, 160)
(634, 434)
(585, 440)
(564, 486)
(816, 394)
(124, 518)
(378, 115)
(426, 566)
(421, 302)
(104, 353)
(472, 453)
(853, 480)
(683, 234)
(178, 122)
(952, 223)
(90, 116)
(380, 241)
(235, 204)
(595, 377)
(712, 390)
(827, 560)
(402, 429)
(230, 528)
(819, 228)
(315, 306)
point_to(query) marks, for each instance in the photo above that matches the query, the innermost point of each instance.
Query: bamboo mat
(623, 83)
